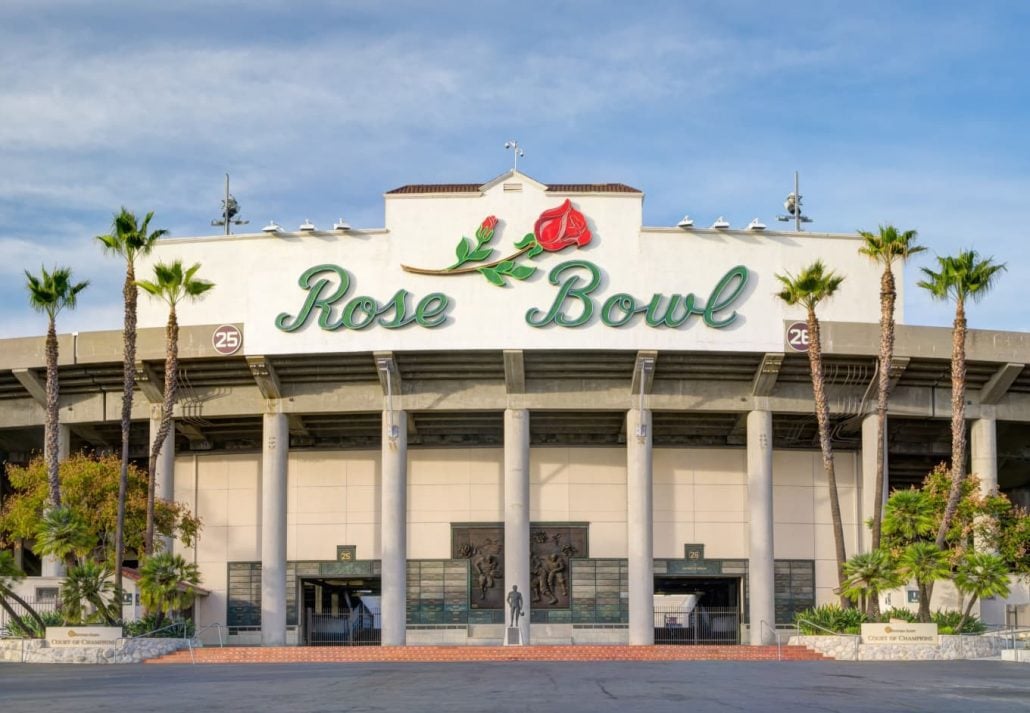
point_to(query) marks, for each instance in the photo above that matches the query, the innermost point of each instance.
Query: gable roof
(471, 188)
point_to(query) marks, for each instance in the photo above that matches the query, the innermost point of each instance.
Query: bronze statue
(515, 604)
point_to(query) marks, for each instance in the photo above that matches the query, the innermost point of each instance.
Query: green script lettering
(570, 291)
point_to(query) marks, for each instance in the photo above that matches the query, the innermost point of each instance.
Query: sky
(910, 113)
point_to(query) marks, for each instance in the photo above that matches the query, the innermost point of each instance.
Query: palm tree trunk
(5, 593)
(958, 420)
(167, 405)
(52, 415)
(924, 602)
(129, 292)
(965, 615)
(815, 359)
(888, 296)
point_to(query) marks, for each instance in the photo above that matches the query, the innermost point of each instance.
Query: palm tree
(885, 248)
(64, 534)
(909, 515)
(981, 575)
(161, 580)
(50, 292)
(925, 563)
(961, 277)
(172, 284)
(813, 285)
(88, 586)
(869, 574)
(9, 574)
(128, 239)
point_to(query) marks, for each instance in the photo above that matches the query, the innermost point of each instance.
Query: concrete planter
(121, 651)
(948, 648)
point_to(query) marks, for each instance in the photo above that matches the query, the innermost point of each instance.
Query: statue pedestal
(513, 636)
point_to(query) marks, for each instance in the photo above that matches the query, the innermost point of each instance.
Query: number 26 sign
(797, 336)
(227, 339)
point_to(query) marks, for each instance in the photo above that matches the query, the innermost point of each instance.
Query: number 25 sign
(797, 336)
(227, 339)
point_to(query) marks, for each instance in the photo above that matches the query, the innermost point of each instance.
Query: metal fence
(361, 627)
(701, 625)
(41, 606)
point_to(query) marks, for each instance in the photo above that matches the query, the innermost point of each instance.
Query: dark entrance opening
(697, 610)
(340, 611)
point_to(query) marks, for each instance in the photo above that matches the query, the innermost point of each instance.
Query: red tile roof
(416, 188)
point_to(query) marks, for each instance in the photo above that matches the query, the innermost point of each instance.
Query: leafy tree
(868, 574)
(886, 247)
(64, 534)
(813, 285)
(980, 575)
(925, 563)
(961, 277)
(9, 575)
(86, 595)
(90, 487)
(128, 239)
(161, 583)
(50, 292)
(172, 284)
(909, 515)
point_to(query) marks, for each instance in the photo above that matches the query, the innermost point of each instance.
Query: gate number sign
(227, 339)
(797, 336)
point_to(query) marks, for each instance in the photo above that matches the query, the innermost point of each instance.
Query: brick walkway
(426, 654)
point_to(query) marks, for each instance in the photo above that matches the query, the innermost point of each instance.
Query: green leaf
(481, 254)
(504, 267)
(529, 239)
(492, 275)
(463, 250)
(534, 251)
(521, 272)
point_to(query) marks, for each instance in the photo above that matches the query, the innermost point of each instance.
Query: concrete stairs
(427, 654)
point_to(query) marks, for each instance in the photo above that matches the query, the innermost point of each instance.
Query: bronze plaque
(551, 546)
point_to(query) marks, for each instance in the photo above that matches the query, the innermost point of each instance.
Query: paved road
(695, 687)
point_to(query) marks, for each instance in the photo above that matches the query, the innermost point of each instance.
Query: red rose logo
(560, 227)
(489, 223)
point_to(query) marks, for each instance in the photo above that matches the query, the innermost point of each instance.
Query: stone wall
(122, 651)
(847, 648)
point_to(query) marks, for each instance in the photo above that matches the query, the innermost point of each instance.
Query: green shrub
(897, 613)
(832, 617)
(149, 623)
(947, 621)
(25, 627)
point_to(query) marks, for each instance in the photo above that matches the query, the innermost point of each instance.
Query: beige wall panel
(244, 506)
(429, 540)
(433, 467)
(793, 504)
(486, 502)
(721, 540)
(674, 499)
(315, 541)
(719, 498)
(361, 467)
(365, 537)
(243, 471)
(846, 496)
(824, 541)
(717, 465)
(794, 541)
(844, 465)
(729, 516)
(213, 507)
(597, 465)
(548, 466)
(363, 503)
(211, 544)
(671, 465)
(486, 466)
(608, 539)
(826, 580)
(450, 497)
(670, 536)
(794, 467)
(213, 472)
(242, 544)
(308, 469)
(318, 499)
(587, 498)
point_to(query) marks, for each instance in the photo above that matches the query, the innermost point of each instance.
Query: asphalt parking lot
(694, 687)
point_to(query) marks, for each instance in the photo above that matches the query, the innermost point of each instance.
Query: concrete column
(165, 475)
(51, 566)
(640, 527)
(869, 446)
(516, 511)
(394, 524)
(761, 586)
(983, 447)
(275, 447)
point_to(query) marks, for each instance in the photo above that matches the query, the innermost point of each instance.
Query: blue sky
(914, 113)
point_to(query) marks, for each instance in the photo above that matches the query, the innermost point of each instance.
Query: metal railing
(196, 636)
(701, 625)
(23, 621)
(360, 627)
(763, 625)
(856, 640)
(168, 627)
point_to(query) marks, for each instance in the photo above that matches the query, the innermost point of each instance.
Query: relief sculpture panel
(551, 546)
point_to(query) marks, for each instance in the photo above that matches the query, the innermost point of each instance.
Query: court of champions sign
(899, 632)
(78, 636)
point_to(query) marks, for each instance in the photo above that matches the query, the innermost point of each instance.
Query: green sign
(575, 304)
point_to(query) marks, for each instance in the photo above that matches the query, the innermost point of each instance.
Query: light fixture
(307, 226)
(756, 224)
(686, 223)
(272, 227)
(385, 366)
(646, 366)
(341, 225)
(721, 223)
